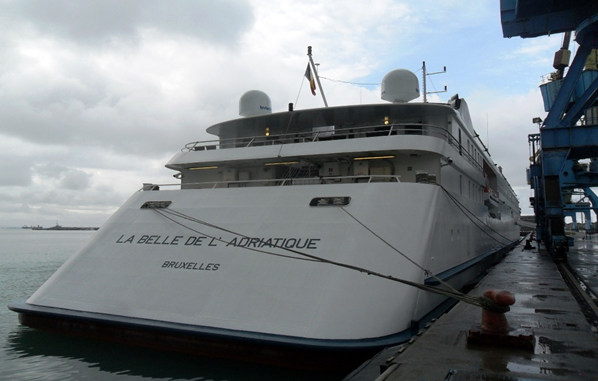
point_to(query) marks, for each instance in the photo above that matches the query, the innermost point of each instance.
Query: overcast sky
(96, 96)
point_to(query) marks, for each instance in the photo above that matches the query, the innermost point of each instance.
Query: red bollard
(495, 329)
(496, 322)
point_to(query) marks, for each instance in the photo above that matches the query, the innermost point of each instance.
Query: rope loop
(491, 306)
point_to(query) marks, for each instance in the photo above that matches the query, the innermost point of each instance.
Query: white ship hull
(151, 271)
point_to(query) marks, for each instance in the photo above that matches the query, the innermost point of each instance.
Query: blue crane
(565, 151)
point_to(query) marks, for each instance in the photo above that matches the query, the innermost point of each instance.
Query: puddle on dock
(528, 364)
(543, 346)
(520, 368)
(547, 346)
(527, 304)
(523, 299)
(550, 312)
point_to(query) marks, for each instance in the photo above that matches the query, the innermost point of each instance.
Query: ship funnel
(400, 86)
(255, 102)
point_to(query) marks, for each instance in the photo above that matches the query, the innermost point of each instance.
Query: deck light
(198, 168)
(374, 157)
(283, 163)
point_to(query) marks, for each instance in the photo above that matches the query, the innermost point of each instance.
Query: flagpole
(313, 68)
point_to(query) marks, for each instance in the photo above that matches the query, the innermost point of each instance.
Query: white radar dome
(254, 102)
(400, 86)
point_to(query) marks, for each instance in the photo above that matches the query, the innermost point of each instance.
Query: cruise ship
(273, 244)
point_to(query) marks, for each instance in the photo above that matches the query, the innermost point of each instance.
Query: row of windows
(474, 191)
(471, 151)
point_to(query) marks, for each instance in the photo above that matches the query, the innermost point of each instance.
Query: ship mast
(313, 69)
(425, 74)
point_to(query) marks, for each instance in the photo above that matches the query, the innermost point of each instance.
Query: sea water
(27, 259)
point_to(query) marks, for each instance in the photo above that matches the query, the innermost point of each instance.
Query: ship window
(330, 201)
(156, 204)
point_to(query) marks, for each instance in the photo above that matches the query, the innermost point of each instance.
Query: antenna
(424, 76)
(487, 132)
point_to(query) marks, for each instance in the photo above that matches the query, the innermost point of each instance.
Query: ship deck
(561, 317)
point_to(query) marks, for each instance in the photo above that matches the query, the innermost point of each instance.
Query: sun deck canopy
(331, 118)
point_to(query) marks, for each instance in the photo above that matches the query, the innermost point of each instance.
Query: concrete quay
(565, 341)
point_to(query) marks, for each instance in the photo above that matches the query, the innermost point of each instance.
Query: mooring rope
(471, 217)
(181, 215)
(481, 301)
(426, 271)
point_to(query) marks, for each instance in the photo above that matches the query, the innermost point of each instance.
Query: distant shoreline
(56, 227)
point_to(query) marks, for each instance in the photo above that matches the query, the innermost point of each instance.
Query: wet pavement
(565, 345)
(583, 260)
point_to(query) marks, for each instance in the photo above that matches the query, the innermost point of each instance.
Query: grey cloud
(50, 170)
(64, 93)
(89, 21)
(90, 199)
(15, 171)
(75, 105)
(69, 96)
(75, 179)
(68, 124)
(11, 205)
(97, 22)
(215, 20)
(69, 178)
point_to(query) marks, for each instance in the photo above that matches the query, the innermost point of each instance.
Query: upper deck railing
(318, 136)
(409, 129)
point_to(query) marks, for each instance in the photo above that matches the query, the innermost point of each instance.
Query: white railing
(277, 182)
(338, 134)
(318, 136)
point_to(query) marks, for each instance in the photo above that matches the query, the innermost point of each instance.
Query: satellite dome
(400, 86)
(255, 102)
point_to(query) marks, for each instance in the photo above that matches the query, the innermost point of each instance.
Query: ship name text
(247, 242)
(191, 265)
